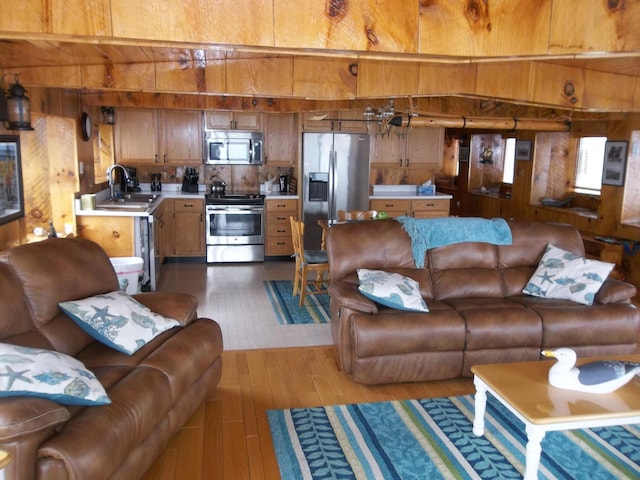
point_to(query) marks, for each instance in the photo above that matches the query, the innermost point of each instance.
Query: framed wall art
(615, 162)
(523, 150)
(11, 195)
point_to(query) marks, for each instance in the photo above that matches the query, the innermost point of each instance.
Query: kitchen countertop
(169, 191)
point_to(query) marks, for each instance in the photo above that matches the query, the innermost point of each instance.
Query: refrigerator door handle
(332, 187)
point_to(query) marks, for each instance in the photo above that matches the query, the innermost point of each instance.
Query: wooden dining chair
(307, 261)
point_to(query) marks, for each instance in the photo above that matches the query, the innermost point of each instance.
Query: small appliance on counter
(218, 187)
(156, 182)
(130, 184)
(284, 183)
(190, 180)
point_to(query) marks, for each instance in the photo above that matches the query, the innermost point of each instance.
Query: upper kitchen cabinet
(181, 136)
(224, 120)
(422, 146)
(137, 136)
(341, 121)
(158, 136)
(280, 139)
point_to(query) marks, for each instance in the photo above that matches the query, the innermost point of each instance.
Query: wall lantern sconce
(486, 157)
(15, 110)
(109, 115)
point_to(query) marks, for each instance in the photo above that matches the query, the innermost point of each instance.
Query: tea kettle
(217, 186)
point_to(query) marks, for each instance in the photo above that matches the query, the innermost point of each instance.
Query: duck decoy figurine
(600, 376)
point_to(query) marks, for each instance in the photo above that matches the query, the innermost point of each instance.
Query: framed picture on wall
(615, 162)
(523, 150)
(11, 196)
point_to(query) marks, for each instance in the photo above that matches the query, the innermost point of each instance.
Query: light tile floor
(234, 296)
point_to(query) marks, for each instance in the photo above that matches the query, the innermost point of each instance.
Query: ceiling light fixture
(15, 109)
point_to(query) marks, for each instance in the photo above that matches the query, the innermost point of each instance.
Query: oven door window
(232, 223)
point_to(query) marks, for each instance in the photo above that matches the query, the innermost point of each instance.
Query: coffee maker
(130, 184)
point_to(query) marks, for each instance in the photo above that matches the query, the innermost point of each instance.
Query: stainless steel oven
(234, 228)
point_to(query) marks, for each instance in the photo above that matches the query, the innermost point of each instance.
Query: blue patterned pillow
(47, 374)
(391, 290)
(564, 275)
(117, 320)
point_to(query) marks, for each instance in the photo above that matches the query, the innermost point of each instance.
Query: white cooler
(129, 271)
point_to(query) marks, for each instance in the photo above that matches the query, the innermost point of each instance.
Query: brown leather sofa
(477, 311)
(153, 392)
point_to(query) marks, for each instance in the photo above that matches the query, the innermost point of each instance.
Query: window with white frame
(588, 174)
(509, 160)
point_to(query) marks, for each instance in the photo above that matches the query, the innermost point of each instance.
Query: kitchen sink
(130, 201)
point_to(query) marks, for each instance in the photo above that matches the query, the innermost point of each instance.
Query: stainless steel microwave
(232, 147)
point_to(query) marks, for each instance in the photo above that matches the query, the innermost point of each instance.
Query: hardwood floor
(228, 437)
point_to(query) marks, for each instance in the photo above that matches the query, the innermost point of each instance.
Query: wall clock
(85, 126)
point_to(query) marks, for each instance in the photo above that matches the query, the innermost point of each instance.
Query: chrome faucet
(112, 186)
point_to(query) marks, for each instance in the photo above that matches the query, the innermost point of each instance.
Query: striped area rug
(433, 439)
(287, 308)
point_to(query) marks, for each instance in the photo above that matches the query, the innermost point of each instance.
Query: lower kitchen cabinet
(188, 228)
(278, 238)
(422, 208)
(116, 235)
(393, 207)
(430, 208)
(161, 217)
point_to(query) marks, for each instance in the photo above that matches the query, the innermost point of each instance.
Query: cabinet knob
(406, 163)
(155, 159)
(116, 234)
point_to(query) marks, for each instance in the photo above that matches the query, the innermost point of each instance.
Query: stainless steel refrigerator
(335, 176)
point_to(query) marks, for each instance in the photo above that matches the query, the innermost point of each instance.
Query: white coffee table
(524, 389)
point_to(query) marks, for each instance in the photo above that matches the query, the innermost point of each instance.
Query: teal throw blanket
(436, 232)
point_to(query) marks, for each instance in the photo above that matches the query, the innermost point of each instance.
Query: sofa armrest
(615, 291)
(23, 416)
(347, 295)
(179, 306)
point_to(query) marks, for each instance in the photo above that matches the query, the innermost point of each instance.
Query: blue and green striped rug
(433, 439)
(287, 308)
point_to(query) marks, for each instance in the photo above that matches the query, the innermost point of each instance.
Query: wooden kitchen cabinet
(278, 238)
(160, 229)
(181, 141)
(280, 139)
(154, 136)
(225, 120)
(417, 208)
(115, 235)
(422, 146)
(188, 228)
(430, 208)
(393, 207)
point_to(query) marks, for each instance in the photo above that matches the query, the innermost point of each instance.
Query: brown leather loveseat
(153, 392)
(477, 311)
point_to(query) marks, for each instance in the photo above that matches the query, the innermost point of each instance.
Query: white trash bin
(129, 271)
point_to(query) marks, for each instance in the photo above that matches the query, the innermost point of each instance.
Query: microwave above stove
(232, 147)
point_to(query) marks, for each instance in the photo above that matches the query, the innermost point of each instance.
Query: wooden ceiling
(549, 55)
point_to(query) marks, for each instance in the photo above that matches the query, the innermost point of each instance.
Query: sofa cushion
(562, 274)
(47, 374)
(391, 290)
(117, 320)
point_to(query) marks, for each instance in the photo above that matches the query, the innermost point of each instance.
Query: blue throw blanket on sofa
(436, 232)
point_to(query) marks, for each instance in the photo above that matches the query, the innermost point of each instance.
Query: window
(509, 160)
(588, 175)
